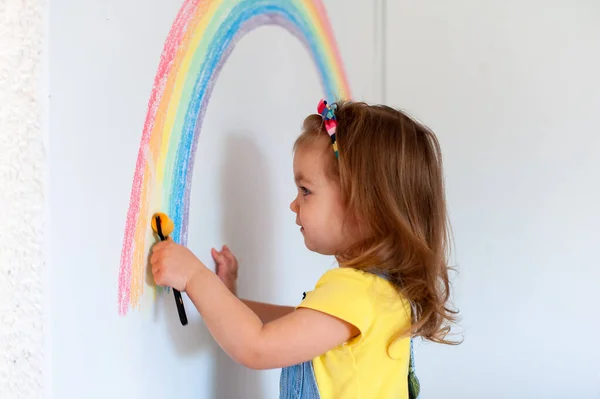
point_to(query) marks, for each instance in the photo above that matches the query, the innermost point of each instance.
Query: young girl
(370, 192)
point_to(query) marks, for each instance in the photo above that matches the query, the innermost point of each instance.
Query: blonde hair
(390, 175)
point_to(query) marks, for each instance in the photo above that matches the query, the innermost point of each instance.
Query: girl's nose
(294, 206)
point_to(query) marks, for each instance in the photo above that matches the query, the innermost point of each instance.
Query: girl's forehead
(309, 159)
(304, 165)
(310, 166)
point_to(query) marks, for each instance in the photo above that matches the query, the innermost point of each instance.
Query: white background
(511, 89)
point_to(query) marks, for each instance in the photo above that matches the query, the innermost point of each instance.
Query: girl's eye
(304, 190)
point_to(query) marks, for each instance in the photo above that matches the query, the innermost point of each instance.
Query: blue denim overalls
(299, 382)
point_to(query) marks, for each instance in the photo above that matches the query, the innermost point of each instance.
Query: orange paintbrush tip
(166, 224)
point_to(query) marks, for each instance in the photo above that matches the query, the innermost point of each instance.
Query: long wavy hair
(391, 180)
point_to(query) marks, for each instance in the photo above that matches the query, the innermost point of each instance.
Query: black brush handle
(176, 293)
(180, 308)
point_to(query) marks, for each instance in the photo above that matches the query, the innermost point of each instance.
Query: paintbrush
(163, 226)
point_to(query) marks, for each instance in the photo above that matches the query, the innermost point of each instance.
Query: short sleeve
(343, 293)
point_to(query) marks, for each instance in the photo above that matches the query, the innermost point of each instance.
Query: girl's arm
(268, 312)
(294, 338)
(227, 269)
(298, 336)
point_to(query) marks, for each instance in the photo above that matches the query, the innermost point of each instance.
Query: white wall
(512, 89)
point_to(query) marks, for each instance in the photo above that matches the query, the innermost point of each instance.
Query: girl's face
(318, 206)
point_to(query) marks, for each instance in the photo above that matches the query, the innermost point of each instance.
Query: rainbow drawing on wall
(200, 40)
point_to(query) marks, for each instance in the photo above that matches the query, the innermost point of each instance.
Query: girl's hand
(174, 265)
(226, 267)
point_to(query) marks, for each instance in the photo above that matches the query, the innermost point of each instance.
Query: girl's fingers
(227, 252)
(225, 257)
(221, 258)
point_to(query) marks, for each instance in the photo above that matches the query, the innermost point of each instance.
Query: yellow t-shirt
(367, 366)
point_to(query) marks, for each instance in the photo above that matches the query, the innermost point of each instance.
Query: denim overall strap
(414, 387)
(298, 382)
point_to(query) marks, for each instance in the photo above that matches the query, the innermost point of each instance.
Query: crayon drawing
(201, 38)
